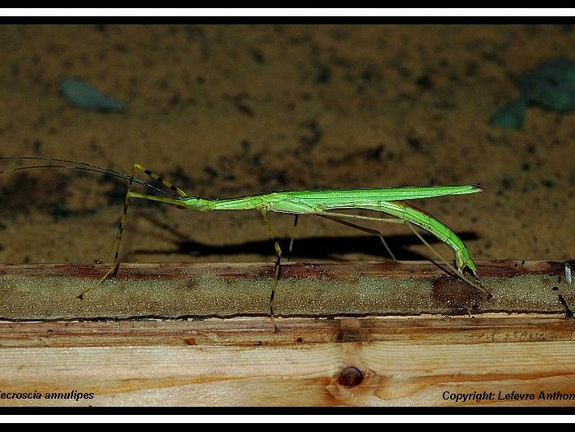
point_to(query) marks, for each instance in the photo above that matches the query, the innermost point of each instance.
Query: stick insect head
(196, 203)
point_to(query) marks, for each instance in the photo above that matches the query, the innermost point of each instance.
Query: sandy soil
(225, 110)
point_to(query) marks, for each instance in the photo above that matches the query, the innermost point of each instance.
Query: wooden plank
(456, 350)
(377, 362)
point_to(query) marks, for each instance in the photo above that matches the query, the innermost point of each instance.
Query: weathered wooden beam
(49, 291)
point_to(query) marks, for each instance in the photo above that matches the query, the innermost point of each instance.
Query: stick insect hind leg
(340, 218)
(375, 232)
(121, 225)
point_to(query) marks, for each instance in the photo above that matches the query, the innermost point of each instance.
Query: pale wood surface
(241, 362)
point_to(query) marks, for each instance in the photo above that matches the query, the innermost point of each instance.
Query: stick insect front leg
(121, 225)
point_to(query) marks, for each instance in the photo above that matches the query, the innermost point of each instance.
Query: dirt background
(236, 109)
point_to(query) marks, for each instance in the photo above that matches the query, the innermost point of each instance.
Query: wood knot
(350, 377)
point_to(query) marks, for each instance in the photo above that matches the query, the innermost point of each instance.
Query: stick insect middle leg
(292, 235)
(277, 267)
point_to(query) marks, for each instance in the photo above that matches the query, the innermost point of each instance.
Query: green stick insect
(323, 203)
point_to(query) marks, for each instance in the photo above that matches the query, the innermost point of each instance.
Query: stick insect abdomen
(429, 223)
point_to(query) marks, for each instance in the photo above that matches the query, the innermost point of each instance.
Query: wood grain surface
(483, 357)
